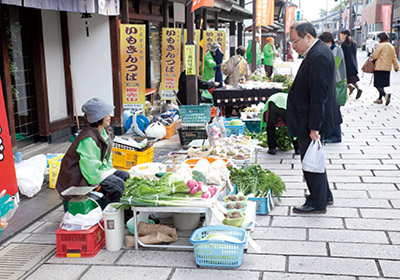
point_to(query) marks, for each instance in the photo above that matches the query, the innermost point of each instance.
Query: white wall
(90, 58)
(53, 53)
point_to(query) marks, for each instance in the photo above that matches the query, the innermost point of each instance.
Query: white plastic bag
(314, 159)
(30, 175)
(82, 221)
(156, 130)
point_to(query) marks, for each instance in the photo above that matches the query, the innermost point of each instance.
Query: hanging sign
(265, 12)
(133, 66)
(197, 41)
(170, 62)
(190, 59)
(8, 179)
(386, 16)
(289, 18)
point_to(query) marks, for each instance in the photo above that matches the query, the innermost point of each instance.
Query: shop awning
(101, 7)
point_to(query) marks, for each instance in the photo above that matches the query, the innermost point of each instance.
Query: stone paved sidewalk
(357, 239)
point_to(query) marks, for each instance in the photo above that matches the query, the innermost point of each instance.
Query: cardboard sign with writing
(133, 66)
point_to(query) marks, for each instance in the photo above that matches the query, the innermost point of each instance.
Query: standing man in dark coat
(312, 109)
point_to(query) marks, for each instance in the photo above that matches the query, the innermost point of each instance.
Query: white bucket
(114, 227)
(186, 221)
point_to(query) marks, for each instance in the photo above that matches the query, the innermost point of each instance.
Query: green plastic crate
(81, 206)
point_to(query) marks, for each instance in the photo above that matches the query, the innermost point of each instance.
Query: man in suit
(312, 109)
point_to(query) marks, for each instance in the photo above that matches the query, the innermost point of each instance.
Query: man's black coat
(311, 103)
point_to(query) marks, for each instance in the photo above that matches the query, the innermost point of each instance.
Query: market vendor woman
(88, 161)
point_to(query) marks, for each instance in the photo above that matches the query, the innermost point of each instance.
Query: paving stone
(97, 272)
(370, 167)
(263, 262)
(293, 193)
(356, 236)
(373, 224)
(55, 216)
(330, 167)
(365, 186)
(362, 203)
(292, 178)
(298, 276)
(17, 239)
(395, 203)
(291, 201)
(387, 173)
(390, 268)
(376, 251)
(338, 266)
(296, 185)
(158, 258)
(385, 194)
(47, 227)
(273, 233)
(335, 212)
(201, 274)
(41, 238)
(287, 172)
(279, 211)
(103, 257)
(342, 172)
(263, 220)
(276, 166)
(343, 179)
(368, 156)
(285, 247)
(59, 272)
(394, 237)
(307, 222)
(393, 180)
(349, 194)
(33, 227)
(381, 213)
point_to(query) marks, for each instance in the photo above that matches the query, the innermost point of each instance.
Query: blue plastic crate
(263, 204)
(195, 113)
(234, 129)
(218, 253)
(253, 125)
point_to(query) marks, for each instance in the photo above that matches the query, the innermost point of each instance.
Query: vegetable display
(254, 181)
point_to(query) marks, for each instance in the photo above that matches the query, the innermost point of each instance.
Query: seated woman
(88, 161)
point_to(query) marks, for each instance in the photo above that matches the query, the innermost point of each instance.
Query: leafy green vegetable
(199, 176)
(283, 139)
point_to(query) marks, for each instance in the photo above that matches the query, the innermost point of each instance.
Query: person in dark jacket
(88, 161)
(201, 85)
(312, 108)
(349, 48)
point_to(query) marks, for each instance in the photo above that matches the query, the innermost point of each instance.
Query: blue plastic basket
(234, 129)
(253, 125)
(218, 253)
(195, 113)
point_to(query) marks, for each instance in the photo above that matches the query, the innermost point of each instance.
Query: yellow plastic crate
(54, 169)
(126, 159)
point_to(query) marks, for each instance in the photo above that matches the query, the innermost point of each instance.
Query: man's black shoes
(297, 152)
(271, 151)
(305, 209)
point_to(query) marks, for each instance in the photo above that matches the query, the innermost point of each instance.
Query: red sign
(8, 179)
(289, 18)
(201, 3)
(386, 15)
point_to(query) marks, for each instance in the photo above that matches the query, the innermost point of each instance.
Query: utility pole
(284, 36)
(340, 17)
(391, 23)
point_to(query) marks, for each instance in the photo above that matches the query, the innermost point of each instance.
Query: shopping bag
(341, 92)
(314, 160)
(369, 66)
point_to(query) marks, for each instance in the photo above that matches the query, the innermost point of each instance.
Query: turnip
(193, 191)
(192, 184)
(206, 195)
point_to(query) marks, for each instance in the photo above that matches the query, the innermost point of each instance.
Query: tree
(322, 12)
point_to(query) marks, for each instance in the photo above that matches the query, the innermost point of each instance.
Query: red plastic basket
(80, 243)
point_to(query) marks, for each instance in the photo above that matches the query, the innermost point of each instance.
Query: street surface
(357, 239)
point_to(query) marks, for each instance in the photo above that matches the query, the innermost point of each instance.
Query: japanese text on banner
(133, 66)
(265, 12)
(171, 62)
(197, 41)
(289, 18)
(210, 37)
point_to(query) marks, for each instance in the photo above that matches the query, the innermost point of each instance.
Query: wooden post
(254, 42)
(191, 80)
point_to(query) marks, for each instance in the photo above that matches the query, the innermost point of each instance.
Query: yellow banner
(133, 66)
(170, 62)
(197, 40)
(190, 59)
(210, 37)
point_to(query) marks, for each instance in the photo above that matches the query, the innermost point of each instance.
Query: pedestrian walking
(237, 68)
(384, 56)
(257, 61)
(269, 52)
(349, 48)
(312, 108)
(335, 134)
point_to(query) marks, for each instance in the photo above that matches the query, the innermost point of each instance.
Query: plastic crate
(81, 207)
(218, 253)
(263, 204)
(195, 113)
(170, 131)
(80, 243)
(54, 169)
(253, 125)
(234, 129)
(188, 134)
(126, 159)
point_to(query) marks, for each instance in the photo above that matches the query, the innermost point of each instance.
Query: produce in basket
(202, 151)
(237, 197)
(240, 206)
(234, 218)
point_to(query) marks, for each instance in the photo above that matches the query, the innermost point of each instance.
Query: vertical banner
(265, 12)
(289, 18)
(201, 3)
(133, 66)
(197, 40)
(210, 37)
(8, 180)
(170, 61)
(386, 16)
(190, 59)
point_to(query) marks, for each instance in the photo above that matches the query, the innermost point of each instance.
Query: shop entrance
(19, 49)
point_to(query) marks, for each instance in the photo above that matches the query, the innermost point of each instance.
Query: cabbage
(236, 122)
